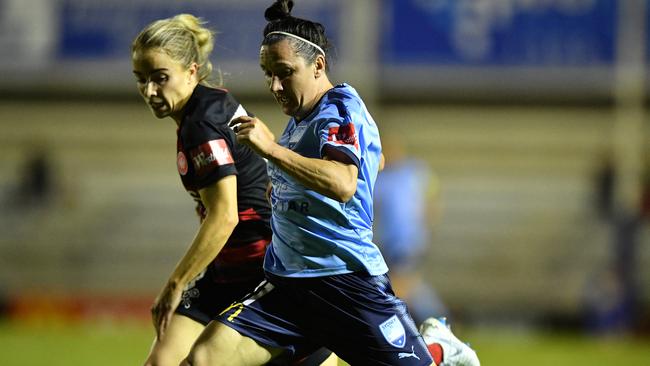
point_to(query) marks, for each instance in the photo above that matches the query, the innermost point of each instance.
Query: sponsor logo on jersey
(292, 205)
(181, 162)
(393, 331)
(210, 154)
(344, 135)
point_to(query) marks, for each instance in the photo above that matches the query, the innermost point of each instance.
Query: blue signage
(104, 29)
(500, 33)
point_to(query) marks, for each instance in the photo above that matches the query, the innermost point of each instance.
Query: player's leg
(444, 346)
(259, 329)
(358, 317)
(320, 357)
(202, 299)
(220, 345)
(216, 346)
(176, 343)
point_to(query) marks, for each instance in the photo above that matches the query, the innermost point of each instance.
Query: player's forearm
(327, 177)
(208, 242)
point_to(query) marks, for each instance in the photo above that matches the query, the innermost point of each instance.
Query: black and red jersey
(207, 150)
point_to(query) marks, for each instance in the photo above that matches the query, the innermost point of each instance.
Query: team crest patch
(187, 296)
(181, 162)
(393, 331)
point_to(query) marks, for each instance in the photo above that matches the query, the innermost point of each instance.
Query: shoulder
(210, 109)
(341, 102)
(212, 104)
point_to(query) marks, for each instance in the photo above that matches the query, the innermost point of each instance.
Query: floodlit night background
(529, 118)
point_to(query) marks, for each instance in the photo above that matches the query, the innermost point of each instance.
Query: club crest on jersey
(344, 135)
(210, 154)
(181, 162)
(393, 331)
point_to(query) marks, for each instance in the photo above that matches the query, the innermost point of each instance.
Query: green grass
(128, 343)
(505, 348)
(90, 344)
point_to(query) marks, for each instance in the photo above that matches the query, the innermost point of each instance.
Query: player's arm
(334, 176)
(220, 200)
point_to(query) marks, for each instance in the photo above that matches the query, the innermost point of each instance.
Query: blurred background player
(407, 203)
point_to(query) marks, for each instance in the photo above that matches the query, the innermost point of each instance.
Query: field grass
(127, 344)
(88, 344)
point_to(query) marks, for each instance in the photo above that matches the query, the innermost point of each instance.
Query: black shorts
(357, 316)
(203, 298)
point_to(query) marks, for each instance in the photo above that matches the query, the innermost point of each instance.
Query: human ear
(319, 66)
(193, 71)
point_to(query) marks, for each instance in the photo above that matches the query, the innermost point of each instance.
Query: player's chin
(288, 109)
(160, 112)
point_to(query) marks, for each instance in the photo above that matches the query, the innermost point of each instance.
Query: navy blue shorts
(203, 299)
(356, 315)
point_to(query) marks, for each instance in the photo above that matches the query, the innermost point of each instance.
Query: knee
(156, 360)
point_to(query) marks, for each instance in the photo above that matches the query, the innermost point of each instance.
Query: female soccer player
(227, 180)
(326, 280)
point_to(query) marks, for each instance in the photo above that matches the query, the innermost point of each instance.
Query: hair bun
(279, 10)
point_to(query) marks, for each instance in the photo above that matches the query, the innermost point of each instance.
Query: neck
(324, 88)
(178, 115)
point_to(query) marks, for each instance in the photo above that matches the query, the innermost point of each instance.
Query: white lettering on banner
(475, 21)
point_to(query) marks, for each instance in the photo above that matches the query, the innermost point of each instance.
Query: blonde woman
(227, 180)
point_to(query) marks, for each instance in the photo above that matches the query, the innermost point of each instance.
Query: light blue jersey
(314, 235)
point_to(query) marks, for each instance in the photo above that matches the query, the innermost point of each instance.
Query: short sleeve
(341, 135)
(210, 154)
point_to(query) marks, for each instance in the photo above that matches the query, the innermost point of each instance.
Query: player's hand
(163, 308)
(253, 132)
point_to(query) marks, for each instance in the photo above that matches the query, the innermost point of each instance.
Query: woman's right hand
(164, 306)
(253, 132)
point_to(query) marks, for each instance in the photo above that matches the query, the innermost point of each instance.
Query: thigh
(176, 343)
(356, 316)
(220, 345)
(271, 316)
(359, 318)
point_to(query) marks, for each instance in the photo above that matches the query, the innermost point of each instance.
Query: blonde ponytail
(184, 38)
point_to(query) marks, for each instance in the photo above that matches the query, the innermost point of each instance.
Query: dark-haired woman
(327, 282)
